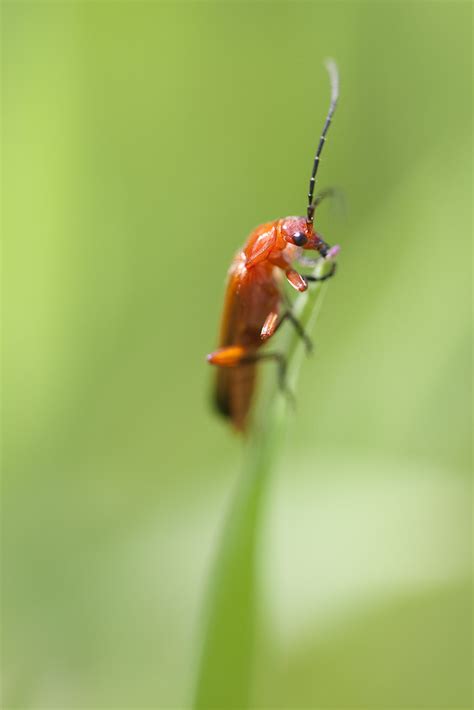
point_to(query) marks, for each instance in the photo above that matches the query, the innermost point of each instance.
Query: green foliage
(141, 144)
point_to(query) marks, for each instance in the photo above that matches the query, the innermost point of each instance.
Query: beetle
(254, 292)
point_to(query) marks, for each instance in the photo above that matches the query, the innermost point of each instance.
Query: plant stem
(225, 666)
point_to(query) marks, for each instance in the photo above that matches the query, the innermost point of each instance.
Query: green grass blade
(225, 666)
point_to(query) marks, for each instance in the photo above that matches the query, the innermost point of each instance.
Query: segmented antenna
(334, 81)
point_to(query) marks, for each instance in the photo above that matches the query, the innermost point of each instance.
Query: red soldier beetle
(254, 292)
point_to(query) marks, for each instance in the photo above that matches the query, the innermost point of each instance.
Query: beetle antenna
(331, 66)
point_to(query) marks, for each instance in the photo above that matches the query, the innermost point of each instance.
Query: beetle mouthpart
(332, 252)
(323, 248)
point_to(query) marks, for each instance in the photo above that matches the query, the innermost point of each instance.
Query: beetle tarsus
(282, 383)
(325, 277)
(288, 315)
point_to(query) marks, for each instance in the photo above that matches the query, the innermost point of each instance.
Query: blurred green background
(142, 141)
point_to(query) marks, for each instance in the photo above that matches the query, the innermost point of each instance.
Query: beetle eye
(299, 239)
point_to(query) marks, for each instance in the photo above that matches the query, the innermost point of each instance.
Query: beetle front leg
(293, 277)
(296, 280)
(304, 260)
(325, 277)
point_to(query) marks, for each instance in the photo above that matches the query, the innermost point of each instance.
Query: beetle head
(301, 233)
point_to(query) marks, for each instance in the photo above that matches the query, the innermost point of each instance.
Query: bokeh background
(142, 141)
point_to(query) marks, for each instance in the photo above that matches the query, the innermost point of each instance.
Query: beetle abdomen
(233, 393)
(250, 296)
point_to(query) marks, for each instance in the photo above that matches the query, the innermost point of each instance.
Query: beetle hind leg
(229, 356)
(238, 355)
(282, 363)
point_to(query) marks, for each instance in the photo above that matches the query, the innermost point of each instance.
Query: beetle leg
(296, 280)
(280, 359)
(271, 325)
(304, 260)
(236, 355)
(230, 356)
(299, 329)
(325, 277)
